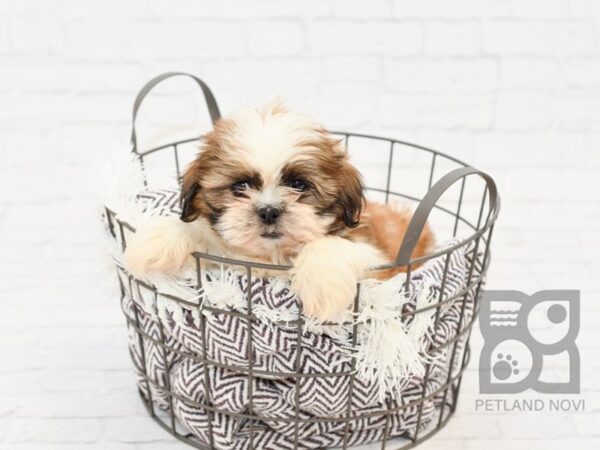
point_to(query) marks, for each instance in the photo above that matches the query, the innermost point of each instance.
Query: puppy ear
(191, 205)
(351, 198)
(189, 212)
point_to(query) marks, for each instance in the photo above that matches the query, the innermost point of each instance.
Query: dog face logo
(523, 335)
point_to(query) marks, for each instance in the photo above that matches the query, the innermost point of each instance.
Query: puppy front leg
(326, 271)
(160, 244)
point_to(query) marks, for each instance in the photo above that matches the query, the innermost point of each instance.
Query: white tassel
(223, 291)
(388, 353)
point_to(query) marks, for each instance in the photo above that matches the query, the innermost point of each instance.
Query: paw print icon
(505, 367)
(526, 338)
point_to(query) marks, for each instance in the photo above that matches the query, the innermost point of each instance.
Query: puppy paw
(160, 244)
(325, 275)
(324, 294)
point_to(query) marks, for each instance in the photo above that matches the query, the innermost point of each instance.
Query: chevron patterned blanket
(245, 370)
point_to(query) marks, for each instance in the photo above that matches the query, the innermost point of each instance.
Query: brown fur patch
(214, 171)
(385, 228)
(336, 187)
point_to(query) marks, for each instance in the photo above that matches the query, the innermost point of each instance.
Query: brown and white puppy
(271, 185)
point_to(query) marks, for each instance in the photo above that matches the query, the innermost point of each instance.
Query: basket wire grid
(477, 242)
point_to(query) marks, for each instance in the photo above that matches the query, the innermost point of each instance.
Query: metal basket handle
(419, 218)
(211, 103)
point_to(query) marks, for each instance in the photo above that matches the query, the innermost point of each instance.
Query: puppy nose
(269, 214)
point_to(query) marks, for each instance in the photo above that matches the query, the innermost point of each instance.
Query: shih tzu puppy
(271, 185)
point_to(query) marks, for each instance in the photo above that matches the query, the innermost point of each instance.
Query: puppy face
(269, 181)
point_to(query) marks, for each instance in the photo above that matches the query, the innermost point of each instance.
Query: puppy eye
(298, 185)
(240, 186)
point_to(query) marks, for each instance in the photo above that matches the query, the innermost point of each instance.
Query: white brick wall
(513, 86)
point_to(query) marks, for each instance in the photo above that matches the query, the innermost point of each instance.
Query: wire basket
(469, 216)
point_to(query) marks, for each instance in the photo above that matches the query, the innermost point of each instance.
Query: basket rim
(250, 264)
